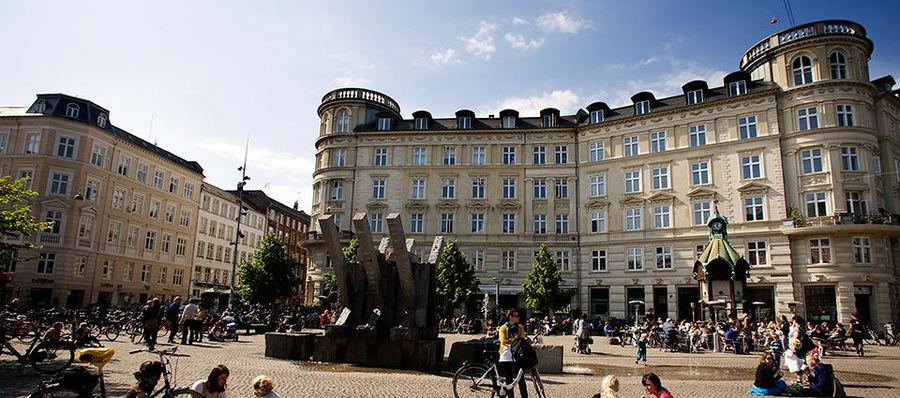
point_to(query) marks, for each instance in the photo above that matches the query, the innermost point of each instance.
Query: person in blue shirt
(172, 312)
(821, 378)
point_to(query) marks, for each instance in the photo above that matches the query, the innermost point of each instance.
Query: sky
(200, 77)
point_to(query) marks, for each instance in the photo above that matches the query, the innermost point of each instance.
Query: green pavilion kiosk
(721, 272)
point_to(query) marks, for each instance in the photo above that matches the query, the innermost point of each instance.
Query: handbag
(523, 353)
(151, 324)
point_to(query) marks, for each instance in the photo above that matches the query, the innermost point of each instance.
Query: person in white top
(187, 322)
(214, 385)
(264, 386)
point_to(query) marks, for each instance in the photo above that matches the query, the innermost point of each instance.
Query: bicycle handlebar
(169, 352)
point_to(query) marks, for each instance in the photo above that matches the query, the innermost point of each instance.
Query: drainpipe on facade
(577, 254)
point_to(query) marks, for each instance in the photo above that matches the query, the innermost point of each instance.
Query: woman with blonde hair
(264, 386)
(609, 388)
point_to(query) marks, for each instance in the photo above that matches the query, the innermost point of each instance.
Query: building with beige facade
(798, 149)
(123, 209)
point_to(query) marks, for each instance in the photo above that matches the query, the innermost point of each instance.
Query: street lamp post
(238, 234)
(497, 280)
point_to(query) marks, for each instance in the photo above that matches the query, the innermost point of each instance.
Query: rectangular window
(596, 151)
(540, 188)
(478, 187)
(642, 107)
(55, 218)
(180, 247)
(862, 250)
(662, 216)
(165, 243)
(108, 270)
(876, 164)
(447, 220)
(598, 185)
(856, 203)
(820, 251)
(476, 259)
(421, 123)
(378, 188)
(697, 135)
(849, 158)
(632, 181)
(845, 115)
(4, 143)
(658, 142)
(694, 97)
(98, 155)
(737, 88)
(170, 213)
(633, 219)
(32, 143)
(420, 156)
(380, 156)
(660, 177)
(142, 170)
(163, 275)
(154, 209)
(177, 277)
(597, 116)
(337, 190)
(185, 218)
(173, 185)
(137, 203)
(66, 147)
(340, 157)
(753, 209)
(92, 190)
(562, 154)
(757, 253)
(811, 161)
(464, 122)
(479, 155)
(376, 223)
(508, 260)
(509, 188)
(598, 260)
(158, 179)
(702, 212)
(635, 258)
(448, 188)
(563, 258)
(631, 146)
(664, 257)
(539, 154)
(114, 233)
(509, 122)
(509, 155)
(540, 223)
(562, 223)
(598, 222)
(384, 123)
(59, 183)
(124, 163)
(548, 121)
(449, 156)
(815, 204)
(562, 188)
(129, 272)
(751, 167)
(700, 173)
(28, 175)
(188, 191)
(45, 263)
(145, 273)
(807, 119)
(477, 223)
(417, 188)
(508, 223)
(747, 127)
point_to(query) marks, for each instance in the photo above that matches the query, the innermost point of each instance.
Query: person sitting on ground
(147, 377)
(55, 334)
(83, 337)
(768, 377)
(609, 388)
(214, 385)
(654, 387)
(821, 378)
(263, 387)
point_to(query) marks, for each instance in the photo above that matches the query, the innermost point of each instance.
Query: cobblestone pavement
(686, 375)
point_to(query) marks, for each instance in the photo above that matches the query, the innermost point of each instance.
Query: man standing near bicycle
(172, 312)
(188, 330)
(151, 315)
(509, 333)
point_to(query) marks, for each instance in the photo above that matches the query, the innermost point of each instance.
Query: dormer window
(41, 107)
(694, 97)
(101, 120)
(384, 123)
(464, 122)
(597, 116)
(421, 123)
(72, 111)
(549, 120)
(642, 107)
(509, 122)
(737, 88)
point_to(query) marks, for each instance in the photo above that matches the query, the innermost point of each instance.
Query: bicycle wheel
(538, 384)
(474, 381)
(55, 391)
(51, 358)
(138, 337)
(184, 392)
(112, 332)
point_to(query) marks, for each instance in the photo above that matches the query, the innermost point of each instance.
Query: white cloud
(667, 82)
(519, 41)
(519, 21)
(561, 22)
(564, 100)
(445, 57)
(350, 81)
(482, 43)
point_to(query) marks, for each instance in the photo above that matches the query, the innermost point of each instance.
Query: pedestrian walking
(151, 315)
(641, 348)
(188, 330)
(173, 310)
(857, 334)
(199, 319)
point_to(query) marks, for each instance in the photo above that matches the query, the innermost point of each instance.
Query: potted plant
(798, 219)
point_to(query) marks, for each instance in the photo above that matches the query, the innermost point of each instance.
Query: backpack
(523, 353)
(839, 389)
(79, 379)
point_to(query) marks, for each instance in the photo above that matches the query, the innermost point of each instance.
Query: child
(776, 349)
(641, 344)
(83, 337)
(263, 387)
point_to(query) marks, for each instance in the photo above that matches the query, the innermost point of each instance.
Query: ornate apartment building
(798, 149)
(123, 209)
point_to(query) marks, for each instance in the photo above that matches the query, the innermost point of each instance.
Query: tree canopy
(271, 275)
(456, 279)
(543, 285)
(17, 222)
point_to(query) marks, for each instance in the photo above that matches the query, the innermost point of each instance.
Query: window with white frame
(4, 143)
(540, 188)
(694, 97)
(816, 204)
(838, 65)
(55, 218)
(420, 156)
(508, 223)
(597, 116)
(137, 203)
(562, 154)
(660, 177)
(378, 188)
(702, 212)
(757, 253)
(478, 187)
(820, 251)
(337, 190)
(447, 221)
(562, 188)
(154, 208)
(548, 120)
(562, 223)
(862, 250)
(856, 202)
(163, 275)
(376, 222)
(449, 155)
(188, 190)
(751, 166)
(634, 258)
(380, 156)
(59, 183)
(464, 122)
(476, 259)
(737, 88)
(747, 127)
(897, 169)
(28, 175)
(598, 185)
(845, 115)
(124, 164)
(700, 173)
(596, 151)
(185, 220)
(173, 184)
(417, 188)
(343, 121)
(802, 70)
(92, 190)
(170, 213)
(72, 111)
(753, 209)
(697, 135)
(631, 146)
(807, 118)
(158, 179)
(509, 122)
(811, 161)
(849, 158)
(563, 258)
(642, 107)
(45, 263)
(142, 171)
(416, 223)
(598, 221)
(340, 157)
(508, 260)
(538, 154)
(598, 260)
(421, 123)
(131, 240)
(662, 216)
(32, 143)
(509, 188)
(479, 155)
(118, 198)
(509, 155)
(66, 147)
(658, 141)
(150, 241)
(177, 277)
(632, 181)
(664, 257)
(114, 233)
(180, 247)
(165, 243)
(633, 219)
(477, 223)
(448, 188)
(876, 164)
(540, 223)
(384, 123)
(80, 266)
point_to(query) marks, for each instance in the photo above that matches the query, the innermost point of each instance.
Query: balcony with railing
(47, 238)
(361, 94)
(797, 223)
(801, 32)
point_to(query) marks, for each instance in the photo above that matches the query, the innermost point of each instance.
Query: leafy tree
(456, 279)
(271, 275)
(329, 285)
(16, 219)
(542, 288)
(350, 251)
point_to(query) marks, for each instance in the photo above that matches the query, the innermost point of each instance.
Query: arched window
(72, 111)
(802, 67)
(838, 65)
(101, 120)
(343, 121)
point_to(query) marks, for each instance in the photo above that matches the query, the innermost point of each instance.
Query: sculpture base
(416, 354)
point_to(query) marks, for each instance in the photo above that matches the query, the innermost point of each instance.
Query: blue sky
(208, 73)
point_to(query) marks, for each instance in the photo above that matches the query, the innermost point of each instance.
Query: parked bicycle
(47, 357)
(483, 379)
(99, 357)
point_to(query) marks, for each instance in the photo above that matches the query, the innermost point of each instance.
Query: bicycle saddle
(98, 357)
